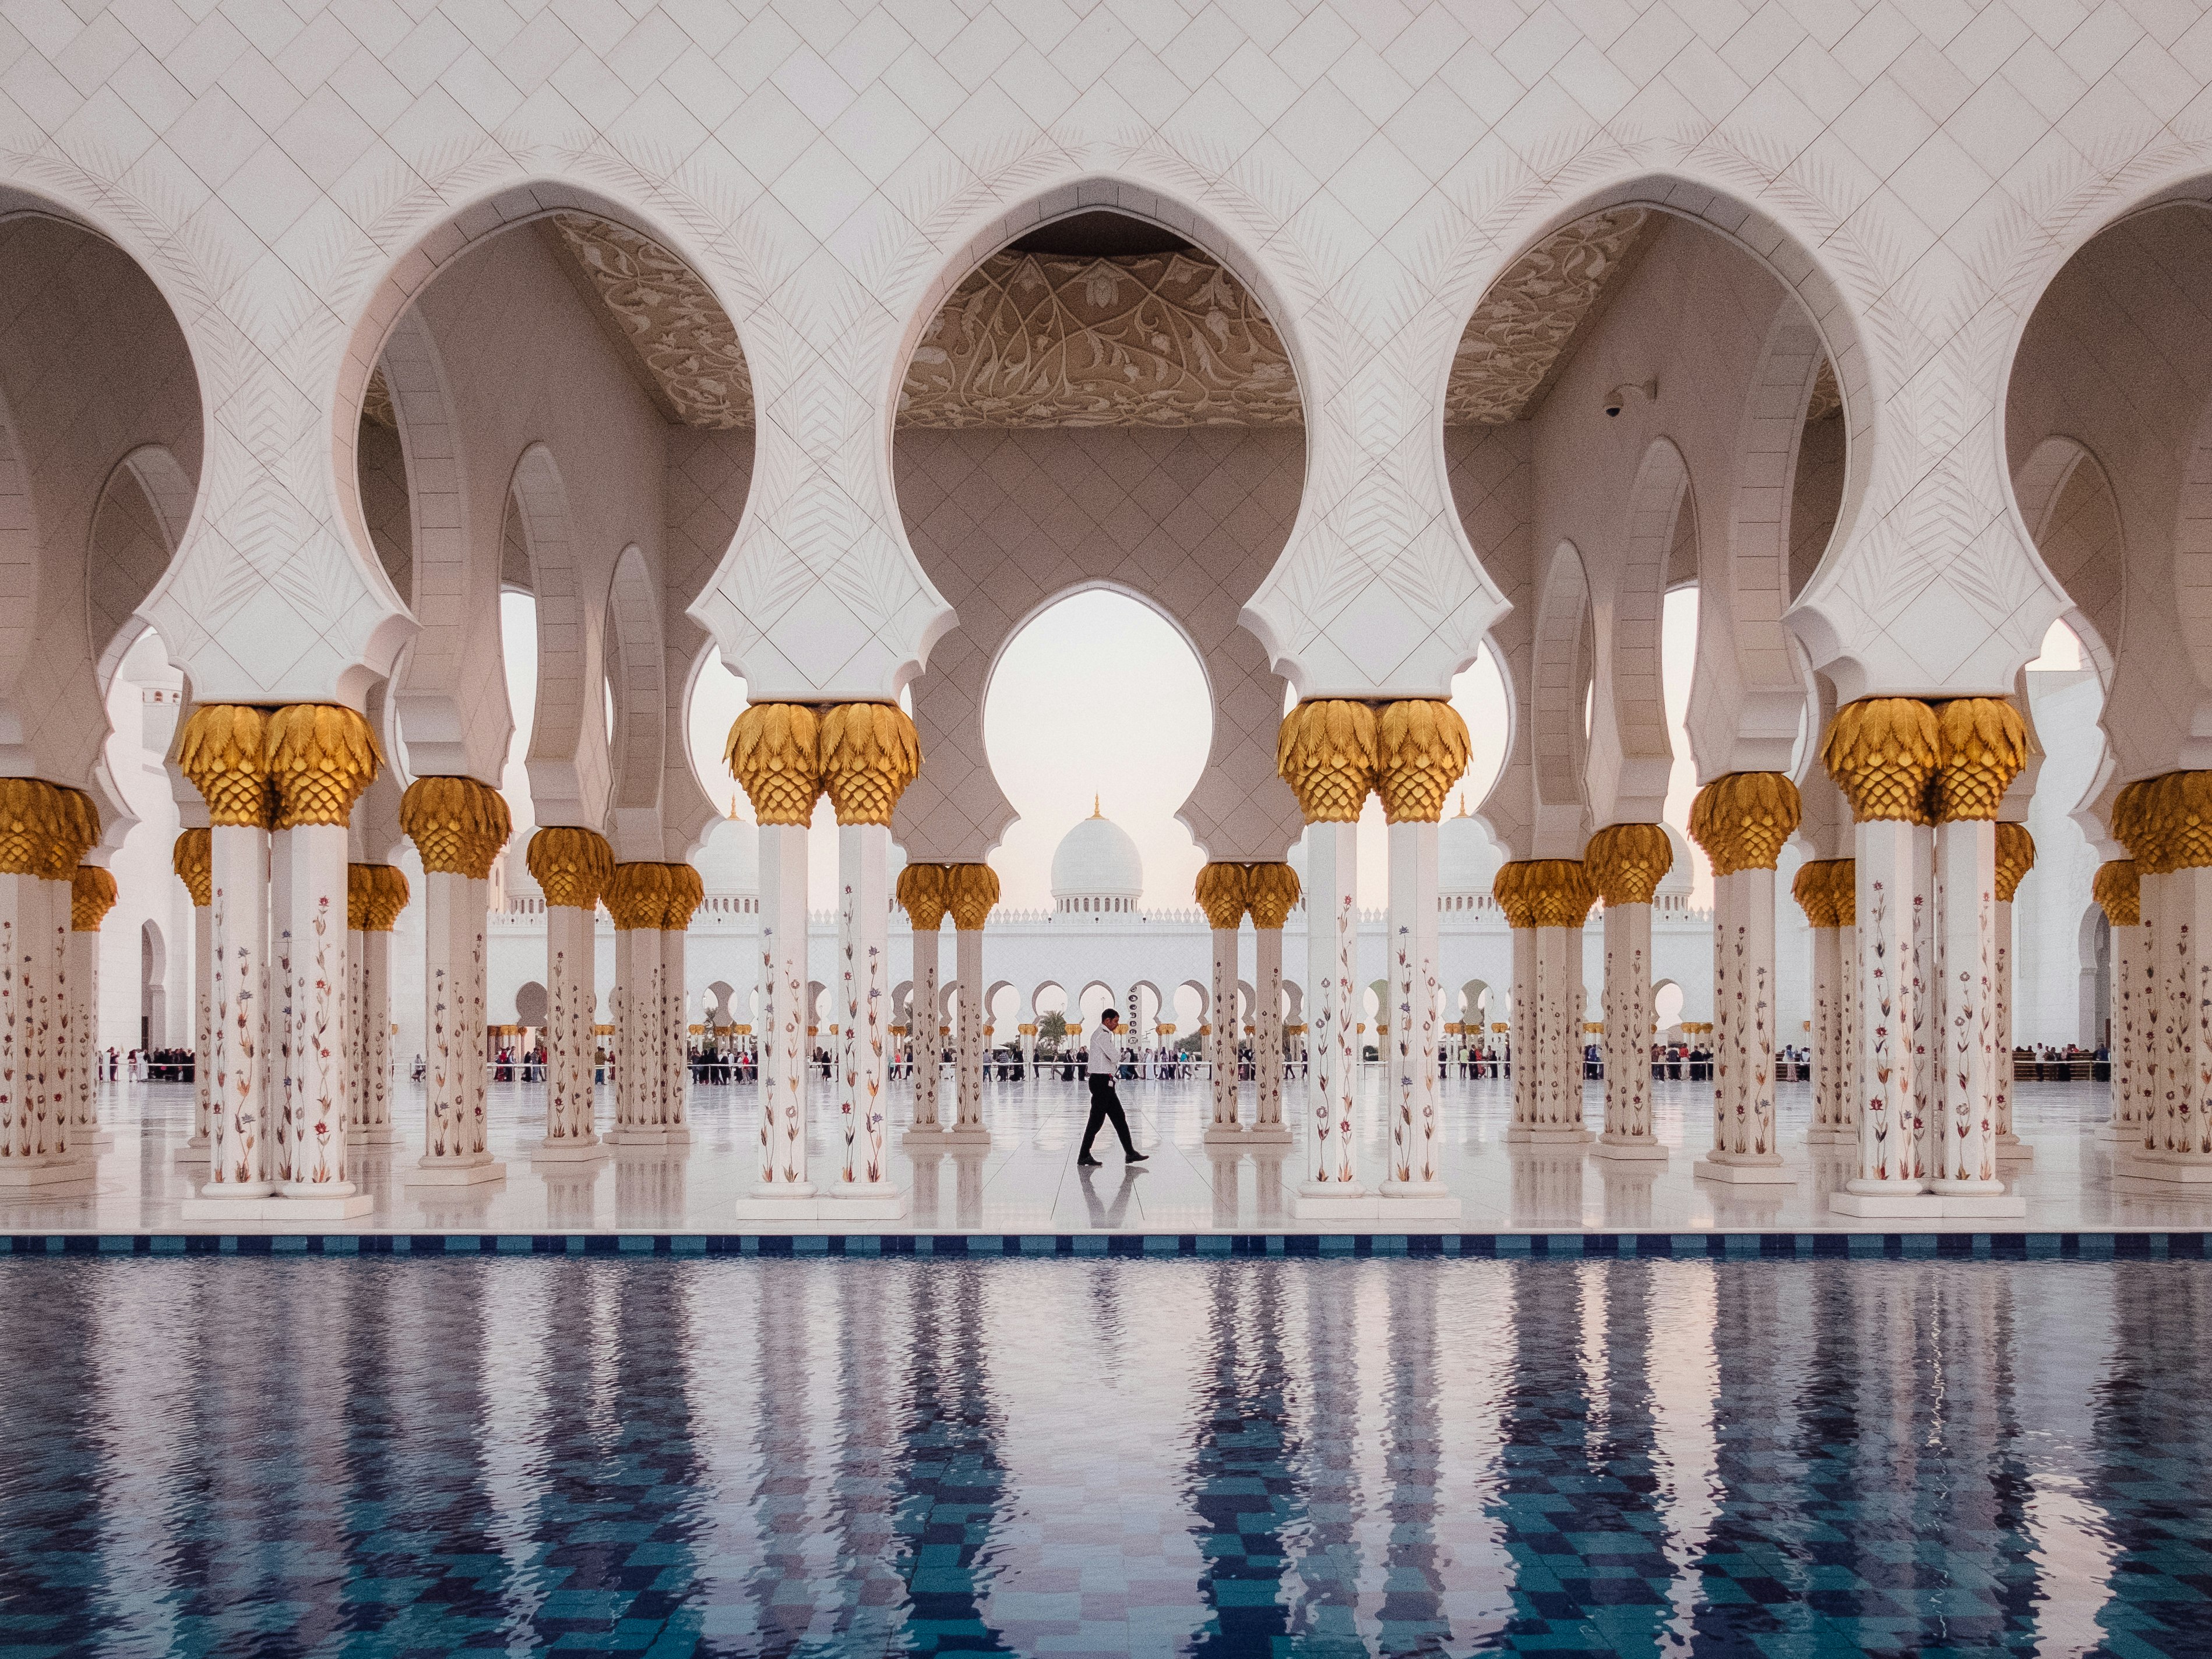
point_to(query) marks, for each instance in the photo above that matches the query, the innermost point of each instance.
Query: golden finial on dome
(1095, 812)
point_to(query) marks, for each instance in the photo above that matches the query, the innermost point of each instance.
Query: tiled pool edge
(968, 1247)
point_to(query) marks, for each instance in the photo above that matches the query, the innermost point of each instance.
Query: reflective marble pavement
(1026, 1181)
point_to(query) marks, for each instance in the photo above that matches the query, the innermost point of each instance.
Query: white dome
(1096, 859)
(729, 861)
(1467, 860)
(1675, 883)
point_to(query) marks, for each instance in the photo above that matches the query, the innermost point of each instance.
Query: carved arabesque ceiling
(1519, 331)
(1154, 340)
(1031, 340)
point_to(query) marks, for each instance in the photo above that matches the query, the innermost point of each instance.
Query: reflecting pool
(1072, 1457)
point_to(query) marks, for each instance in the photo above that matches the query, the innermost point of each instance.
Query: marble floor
(1026, 1182)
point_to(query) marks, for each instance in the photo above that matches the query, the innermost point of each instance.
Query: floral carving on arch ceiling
(1154, 340)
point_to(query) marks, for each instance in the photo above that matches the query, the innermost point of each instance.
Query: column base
(922, 1138)
(456, 1175)
(2177, 1168)
(1932, 1207)
(278, 1209)
(1832, 1138)
(967, 1134)
(1629, 1147)
(1529, 1134)
(879, 1201)
(383, 1135)
(677, 1135)
(636, 1134)
(18, 1173)
(1229, 1134)
(1769, 1172)
(189, 1153)
(1334, 1204)
(569, 1151)
(1268, 1134)
(2011, 1149)
(799, 1202)
(1420, 1201)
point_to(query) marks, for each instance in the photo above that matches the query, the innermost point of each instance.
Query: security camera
(1618, 398)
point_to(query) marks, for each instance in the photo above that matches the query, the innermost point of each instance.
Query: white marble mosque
(1353, 337)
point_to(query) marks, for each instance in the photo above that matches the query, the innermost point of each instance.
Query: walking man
(1105, 1103)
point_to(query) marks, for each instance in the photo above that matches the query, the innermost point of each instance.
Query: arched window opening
(1098, 707)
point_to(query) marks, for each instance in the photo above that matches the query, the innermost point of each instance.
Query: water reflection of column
(1414, 1601)
(2119, 893)
(1326, 1555)
(189, 859)
(1241, 1453)
(948, 1443)
(518, 1362)
(136, 1418)
(1684, 1368)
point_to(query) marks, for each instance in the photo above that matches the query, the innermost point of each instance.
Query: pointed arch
(637, 669)
(1631, 754)
(1560, 678)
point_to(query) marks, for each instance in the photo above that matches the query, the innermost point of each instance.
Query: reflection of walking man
(1105, 1103)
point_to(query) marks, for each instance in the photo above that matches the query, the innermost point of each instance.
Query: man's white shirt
(1105, 1054)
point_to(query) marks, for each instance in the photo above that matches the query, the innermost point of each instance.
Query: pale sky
(1101, 653)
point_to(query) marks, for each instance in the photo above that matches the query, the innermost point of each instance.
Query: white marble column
(240, 1156)
(1893, 905)
(34, 1149)
(458, 826)
(308, 864)
(1332, 1184)
(91, 896)
(388, 897)
(190, 858)
(2115, 889)
(1746, 1146)
(864, 1186)
(1813, 889)
(1272, 897)
(1962, 1145)
(926, 912)
(1414, 1183)
(1561, 1117)
(637, 895)
(1629, 1131)
(1626, 862)
(1220, 893)
(356, 1001)
(784, 1181)
(968, 1126)
(1520, 1028)
(686, 894)
(2180, 1150)
(572, 866)
(1843, 894)
(2016, 857)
